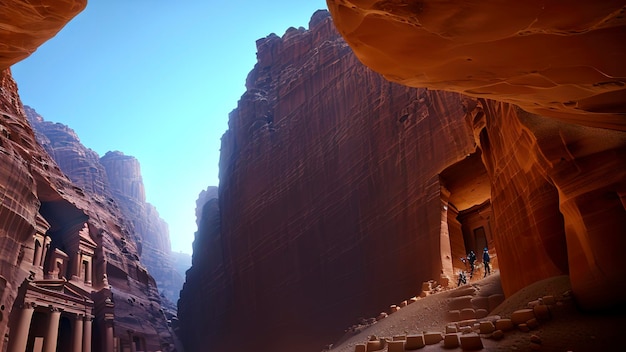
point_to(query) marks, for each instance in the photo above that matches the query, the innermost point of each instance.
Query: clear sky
(156, 79)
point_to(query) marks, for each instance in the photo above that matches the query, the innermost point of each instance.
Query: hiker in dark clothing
(471, 257)
(486, 262)
(462, 278)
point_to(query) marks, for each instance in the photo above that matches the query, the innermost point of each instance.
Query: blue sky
(156, 79)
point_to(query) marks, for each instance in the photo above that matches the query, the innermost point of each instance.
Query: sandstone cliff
(341, 192)
(28, 24)
(330, 200)
(116, 176)
(124, 175)
(556, 59)
(558, 189)
(70, 276)
(67, 248)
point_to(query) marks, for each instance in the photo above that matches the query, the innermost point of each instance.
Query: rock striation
(341, 192)
(118, 177)
(28, 24)
(549, 58)
(124, 175)
(330, 202)
(557, 188)
(81, 164)
(68, 255)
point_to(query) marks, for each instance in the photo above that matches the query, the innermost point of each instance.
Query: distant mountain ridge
(117, 176)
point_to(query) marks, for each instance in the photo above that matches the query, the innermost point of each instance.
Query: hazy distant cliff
(74, 241)
(115, 176)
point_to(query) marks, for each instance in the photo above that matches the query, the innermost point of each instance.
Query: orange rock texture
(330, 203)
(552, 58)
(557, 189)
(25, 25)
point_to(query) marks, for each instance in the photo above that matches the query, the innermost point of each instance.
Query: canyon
(116, 176)
(341, 192)
(71, 278)
(368, 154)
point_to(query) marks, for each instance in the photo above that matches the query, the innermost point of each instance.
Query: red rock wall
(552, 58)
(18, 194)
(556, 188)
(28, 24)
(118, 177)
(80, 164)
(329, 205)
(33, 185)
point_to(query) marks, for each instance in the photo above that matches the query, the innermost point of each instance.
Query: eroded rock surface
(557, 189)
(330, 203)
(341, 192)
(25, 25)
(563, 60)
(118, 177)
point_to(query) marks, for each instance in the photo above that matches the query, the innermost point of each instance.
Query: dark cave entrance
(466, 191)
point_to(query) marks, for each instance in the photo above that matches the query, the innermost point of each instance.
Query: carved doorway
(64, 342)
(466, 191)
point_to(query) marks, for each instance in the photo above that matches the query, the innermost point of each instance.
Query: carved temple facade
(59, 306)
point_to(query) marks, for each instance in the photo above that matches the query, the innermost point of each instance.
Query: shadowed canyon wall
(330, 201)
(561, 60)
(341, 192)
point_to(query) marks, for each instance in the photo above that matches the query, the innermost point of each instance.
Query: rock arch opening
(466, 194)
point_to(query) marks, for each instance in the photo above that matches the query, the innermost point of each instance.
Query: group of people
(471, 261)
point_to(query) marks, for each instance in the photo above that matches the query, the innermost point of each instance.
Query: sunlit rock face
(79, 163)
(84, 232)
(124, 176)
(330, 205)
(25, 25)
(557, 189)
(115, 176)
(552, 58)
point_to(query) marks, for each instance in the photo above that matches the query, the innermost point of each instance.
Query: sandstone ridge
(25, 25)
(550, 60)
(563, 60)
(341, 192)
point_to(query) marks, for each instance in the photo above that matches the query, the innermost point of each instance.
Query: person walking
(471, 257)
(486, 262)
(462, 278)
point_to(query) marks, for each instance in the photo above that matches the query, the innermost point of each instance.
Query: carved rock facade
(70, 276)
(558, 189)
(118, 177)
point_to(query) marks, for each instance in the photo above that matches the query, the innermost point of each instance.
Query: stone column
(37, 254)
(133, 348)
(77, 337)
(87, 334)
(52, 333)
(108, 336)
(46, 247)
(88, 272)
(19, 334)
(78, 265)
